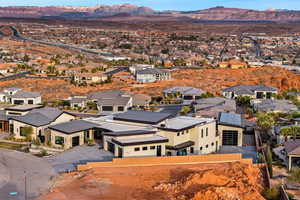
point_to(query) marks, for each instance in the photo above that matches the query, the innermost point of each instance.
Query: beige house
(89, 78)
(72, 133)
(230, 129)
(39, 120)
(135, 143)
(189, 135)
(292, 149)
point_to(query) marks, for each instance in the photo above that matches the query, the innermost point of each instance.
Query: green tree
(292, 131)
(27, 131)
(265, 122)
(269, 161)
(295, 175)
(185, 110)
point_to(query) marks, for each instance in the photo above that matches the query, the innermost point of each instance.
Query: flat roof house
(231, 129)
(253, 91)
(187, 94)
(18, 96)
(152, 75)
(190, 135)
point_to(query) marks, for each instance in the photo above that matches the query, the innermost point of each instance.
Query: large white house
(141, 133)
(18, 96)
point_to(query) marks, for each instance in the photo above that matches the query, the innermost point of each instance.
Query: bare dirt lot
(211, 80)
(228, 181)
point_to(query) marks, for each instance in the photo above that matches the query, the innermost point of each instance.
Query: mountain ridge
(218, 13)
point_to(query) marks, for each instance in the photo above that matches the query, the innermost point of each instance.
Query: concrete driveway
(68, 160)
(13, 167)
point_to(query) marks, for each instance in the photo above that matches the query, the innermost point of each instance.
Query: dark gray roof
(292, 147)
(3, 117)
(152, 71)
(128, 133)
(146, 117)
(181, 146)
(25, 94)
(107, 94)
(120, 101)
(249, 89)
(49, 112)
(74, 126)
(184, 90)
(39, 117)
(34, 119)
(231, 119)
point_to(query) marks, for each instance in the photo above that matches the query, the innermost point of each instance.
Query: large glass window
(59, 140)
(107, 108)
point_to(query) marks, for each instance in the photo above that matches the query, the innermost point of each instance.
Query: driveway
(68, 160)
(13, 167)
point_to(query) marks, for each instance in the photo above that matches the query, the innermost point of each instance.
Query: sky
(182, 5)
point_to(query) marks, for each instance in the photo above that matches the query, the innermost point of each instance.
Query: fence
(168, 160)
(283, 194)
(262, 150)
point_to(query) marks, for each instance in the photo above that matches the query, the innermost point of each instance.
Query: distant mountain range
(128, 10)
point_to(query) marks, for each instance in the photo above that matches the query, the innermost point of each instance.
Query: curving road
(18, 35)
(13, 165)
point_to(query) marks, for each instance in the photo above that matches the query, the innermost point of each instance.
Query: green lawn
(5, 145)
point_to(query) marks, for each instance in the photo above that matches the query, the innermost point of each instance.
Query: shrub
(295, 175)
(272, 194)
(43, 152)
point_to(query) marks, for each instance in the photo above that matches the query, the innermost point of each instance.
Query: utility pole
(25, 186)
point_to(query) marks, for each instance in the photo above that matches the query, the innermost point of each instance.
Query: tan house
(39, 120)
(89, 78)
(190, 135)
(230, 128)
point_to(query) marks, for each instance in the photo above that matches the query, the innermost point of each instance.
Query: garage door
(111, 147)
(230, 138)
(75, 141)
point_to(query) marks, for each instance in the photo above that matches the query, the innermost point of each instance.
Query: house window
(136, 148)
(22, 132)
(187, 131)
(201, 148)
(206, 146)
(145, 148)
(120, 108)
(152, 147)
(178, 134)
(212, 144)
(192, 149)
(206, 132)
(202, 133)
(59, 140)
(30, 101)
(107, 108)
(182, 133)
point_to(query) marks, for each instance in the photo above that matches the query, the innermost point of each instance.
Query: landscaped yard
(5, 145)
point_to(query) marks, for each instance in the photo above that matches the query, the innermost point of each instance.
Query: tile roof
(231, 119)
(25, 94)
(184, 90)
(152, 71)
(74, 126)
(249, 89)
(292, 147)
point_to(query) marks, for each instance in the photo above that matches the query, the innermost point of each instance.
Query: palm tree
(292, 131)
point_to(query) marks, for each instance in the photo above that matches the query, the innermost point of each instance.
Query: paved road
(68, 160)
(13, 165)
